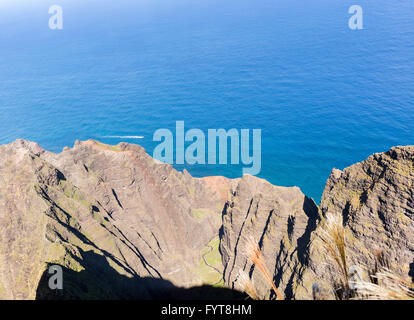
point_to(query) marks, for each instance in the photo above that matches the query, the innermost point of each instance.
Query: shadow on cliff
(302, 249)
(311, 210)
(99, 281)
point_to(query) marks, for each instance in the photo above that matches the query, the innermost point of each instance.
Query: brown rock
(123, 225)
(144, 218)
(280, 220)
(376, 200)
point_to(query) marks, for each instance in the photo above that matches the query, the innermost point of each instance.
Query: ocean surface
(324, 96)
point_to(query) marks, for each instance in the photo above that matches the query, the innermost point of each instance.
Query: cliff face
(280, 220)
(140, 217)
(376, 200)
(123, 225)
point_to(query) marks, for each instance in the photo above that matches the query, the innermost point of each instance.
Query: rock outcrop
(376, 200)
(123, 225)
(280, 220)
(113, 203)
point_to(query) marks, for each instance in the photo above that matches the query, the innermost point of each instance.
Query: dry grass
(247, 284)
(334, 244)
(254, 253)
(384, 285)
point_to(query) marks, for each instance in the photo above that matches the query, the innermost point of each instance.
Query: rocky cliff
(114, 204)
(123, 225)
(280, 220)
(376, 201)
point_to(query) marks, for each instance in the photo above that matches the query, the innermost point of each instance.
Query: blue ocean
(323, 95)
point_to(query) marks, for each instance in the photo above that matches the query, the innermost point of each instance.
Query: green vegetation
(210, 264)
(108, 147)
(2, 289)
(213, 256)
(72, 192)
(198, 214)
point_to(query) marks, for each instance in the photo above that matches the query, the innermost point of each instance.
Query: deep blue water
(324, 96)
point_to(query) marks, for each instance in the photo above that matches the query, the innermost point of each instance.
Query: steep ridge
(376, 200)
(144, 218)
(280, 220)
(123, 225)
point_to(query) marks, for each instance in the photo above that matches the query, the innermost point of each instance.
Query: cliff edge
(123, 226)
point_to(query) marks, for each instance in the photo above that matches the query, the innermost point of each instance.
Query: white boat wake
(125, 137)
